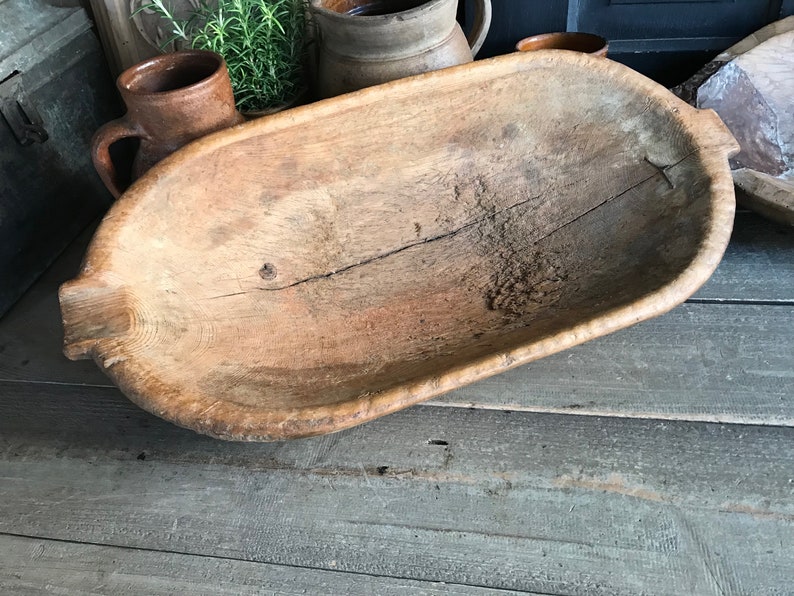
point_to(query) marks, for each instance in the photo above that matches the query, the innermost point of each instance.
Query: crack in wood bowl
(316, 269)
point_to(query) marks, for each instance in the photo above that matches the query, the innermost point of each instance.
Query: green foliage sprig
(262, 42)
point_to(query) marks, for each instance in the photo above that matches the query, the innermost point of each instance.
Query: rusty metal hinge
(19, 112)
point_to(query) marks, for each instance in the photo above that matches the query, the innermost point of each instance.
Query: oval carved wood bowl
(313, 270)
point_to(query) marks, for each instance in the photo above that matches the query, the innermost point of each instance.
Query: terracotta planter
(300, 98)
(171, 100)
(368, 42)
(586, 43)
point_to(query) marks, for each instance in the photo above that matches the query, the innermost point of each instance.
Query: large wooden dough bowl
(313, 270)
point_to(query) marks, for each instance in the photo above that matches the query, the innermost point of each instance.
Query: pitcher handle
(482, 22)
(109, 133)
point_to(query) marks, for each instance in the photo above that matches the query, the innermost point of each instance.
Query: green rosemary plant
(262, 42)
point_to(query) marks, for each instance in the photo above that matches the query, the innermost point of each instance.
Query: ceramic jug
(367, 42)
(575, 41)
(171, 100)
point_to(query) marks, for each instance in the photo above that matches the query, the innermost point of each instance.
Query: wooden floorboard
(545, 503)
(37, 566)
(758, 265)
(726, 363)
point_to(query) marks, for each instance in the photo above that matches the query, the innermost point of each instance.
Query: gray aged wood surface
(490, 492)
(553, 504)
(30, 564)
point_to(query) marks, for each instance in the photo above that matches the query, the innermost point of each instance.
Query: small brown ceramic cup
(586, 43)
(171, 100)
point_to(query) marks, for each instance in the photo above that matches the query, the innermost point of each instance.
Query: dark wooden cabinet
(515, 19)
(662, 38)
(671, 25)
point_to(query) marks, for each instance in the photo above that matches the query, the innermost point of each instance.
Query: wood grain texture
(340, 280)
(552, 504)
(36, 566)
(719, 363)
(697, 362)
(121, 39)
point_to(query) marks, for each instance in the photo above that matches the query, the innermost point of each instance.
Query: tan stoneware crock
(368, 42)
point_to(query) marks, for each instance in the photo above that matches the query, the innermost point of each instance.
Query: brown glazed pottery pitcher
(171, 100)
(367, 42)
(575, 41)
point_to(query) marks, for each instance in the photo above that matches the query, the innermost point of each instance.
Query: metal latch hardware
(19, 112)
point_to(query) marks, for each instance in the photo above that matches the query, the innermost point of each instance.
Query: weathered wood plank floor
(679, 480)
